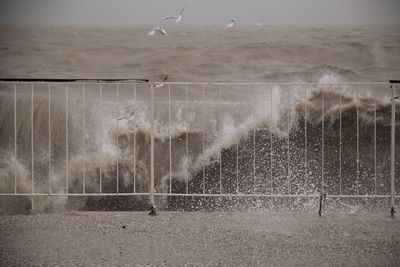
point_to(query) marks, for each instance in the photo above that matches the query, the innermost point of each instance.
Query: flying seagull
(177, 18)
(162, 83)
(230, 24)
(158, 29)
(128, 113)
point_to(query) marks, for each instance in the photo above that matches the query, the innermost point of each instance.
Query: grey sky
(275, 12)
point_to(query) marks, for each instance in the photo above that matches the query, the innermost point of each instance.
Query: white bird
(164, 80)
(177, 18)
(230, 24)
(128, 113)
(158, 29)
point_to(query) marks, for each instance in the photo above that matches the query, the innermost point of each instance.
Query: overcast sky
(202, 12)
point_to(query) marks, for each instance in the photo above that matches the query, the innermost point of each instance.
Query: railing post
(32, 155)
(49, 96)
(152, 203)
(170, 139)
(66, 140)
(15, 139)
(393, 147)
(322, 199)
(117, 160)
(134, 144)
(84, 138)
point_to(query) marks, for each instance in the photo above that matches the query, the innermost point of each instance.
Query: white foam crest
(12, 170)
(330, 78)
(231, 132)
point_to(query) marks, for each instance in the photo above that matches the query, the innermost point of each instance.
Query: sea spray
(293, 125)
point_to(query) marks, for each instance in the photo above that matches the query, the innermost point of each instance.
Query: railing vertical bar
(237, 142)
(101, 140)
(254, 154)
(32, 155)
(340, 140)
(358, 143)
(202, 152)
(66, 141)
(134, 144)
(323, 144)
(393, 144)
(271, 141)
(187, 140)
(254, 160)
(375, 172)
(305, 132)
(288, 143)
(117, 146)
(15, 138)
(49, 96)
(84, 139)
(152, 145)
(170, 138)
(220, 145)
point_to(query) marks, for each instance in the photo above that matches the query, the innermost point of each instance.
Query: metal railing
(284, 145)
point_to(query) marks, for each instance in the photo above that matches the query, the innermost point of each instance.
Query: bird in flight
(177, 18)
(158, 29)
(230, 24)
(128, 113)
(164, 80)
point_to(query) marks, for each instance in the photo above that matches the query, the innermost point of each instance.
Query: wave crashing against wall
(210, 139)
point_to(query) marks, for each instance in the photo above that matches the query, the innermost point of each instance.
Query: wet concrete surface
(199, 239)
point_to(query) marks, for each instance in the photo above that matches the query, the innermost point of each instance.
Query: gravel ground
(199, 239)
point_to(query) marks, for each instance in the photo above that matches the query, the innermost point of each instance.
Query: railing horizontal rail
(79, 81)
(199, 195)
(274, 83)
(98, 81)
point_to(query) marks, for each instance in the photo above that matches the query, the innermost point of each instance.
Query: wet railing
(135, 137)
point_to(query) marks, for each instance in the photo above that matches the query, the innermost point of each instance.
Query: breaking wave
(257, 146)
